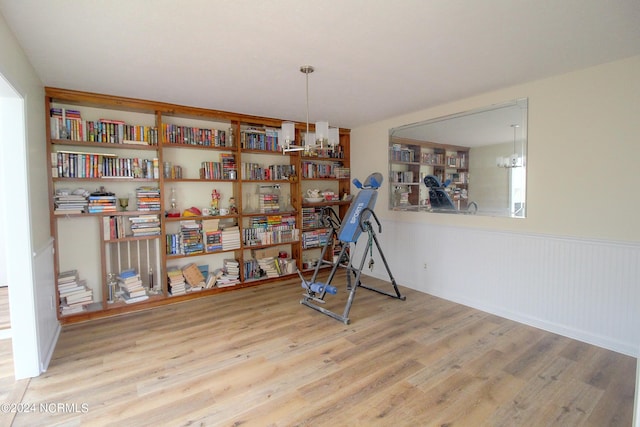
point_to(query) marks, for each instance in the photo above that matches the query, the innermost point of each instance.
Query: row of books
(319, 170)
(225, 169)
(114, 227)
(193, 239)
(265, 139)
(68, 164)
(258, 172)
(315, 238)
(68, 124)
(185, 135)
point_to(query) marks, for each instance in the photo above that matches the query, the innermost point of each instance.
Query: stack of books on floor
(70, 202)
(145, 225)
(100, 202)
(230, 238)
(75, 296)
(177, 285)
(148, 198)
(131, 289)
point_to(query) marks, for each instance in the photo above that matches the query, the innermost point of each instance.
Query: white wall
(582, 190)
(24, 152)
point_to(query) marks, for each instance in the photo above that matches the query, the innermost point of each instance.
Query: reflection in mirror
(467, 163)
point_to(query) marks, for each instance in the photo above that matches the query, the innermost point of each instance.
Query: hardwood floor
(258, 357)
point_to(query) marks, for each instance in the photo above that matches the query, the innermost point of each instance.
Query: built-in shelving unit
(176, 192)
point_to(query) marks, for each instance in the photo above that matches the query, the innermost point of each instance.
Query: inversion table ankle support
(355, 222)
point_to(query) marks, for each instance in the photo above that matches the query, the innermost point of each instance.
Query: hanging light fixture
(512, 161)
(323, 135)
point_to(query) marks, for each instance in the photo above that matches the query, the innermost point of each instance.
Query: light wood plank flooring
(256, 357)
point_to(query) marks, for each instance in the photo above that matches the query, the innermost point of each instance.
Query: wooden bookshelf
(130, 132)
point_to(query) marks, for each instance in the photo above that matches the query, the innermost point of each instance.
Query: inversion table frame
(355, 222)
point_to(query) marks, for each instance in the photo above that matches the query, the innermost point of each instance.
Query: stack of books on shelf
(269, 266)
(145, 225)
(231, 271)
(177, 285)
(212, 236)
(191, 237)
(148, 198)
(69, 202)
(131, 289)
(230, 238)
(269, 203)
(228, 275)
(75, 296)
(100, 201)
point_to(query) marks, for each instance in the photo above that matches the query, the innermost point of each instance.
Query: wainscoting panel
(584, 289)
(47, 325)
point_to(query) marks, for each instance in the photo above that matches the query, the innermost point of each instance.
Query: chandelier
(323, 135)
(512, 161)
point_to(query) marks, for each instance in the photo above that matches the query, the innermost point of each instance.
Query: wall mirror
(472, 162)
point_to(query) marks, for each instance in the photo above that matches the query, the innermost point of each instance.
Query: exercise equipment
(356, 222)
(439, 198)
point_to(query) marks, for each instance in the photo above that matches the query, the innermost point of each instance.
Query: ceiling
(373, 59)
